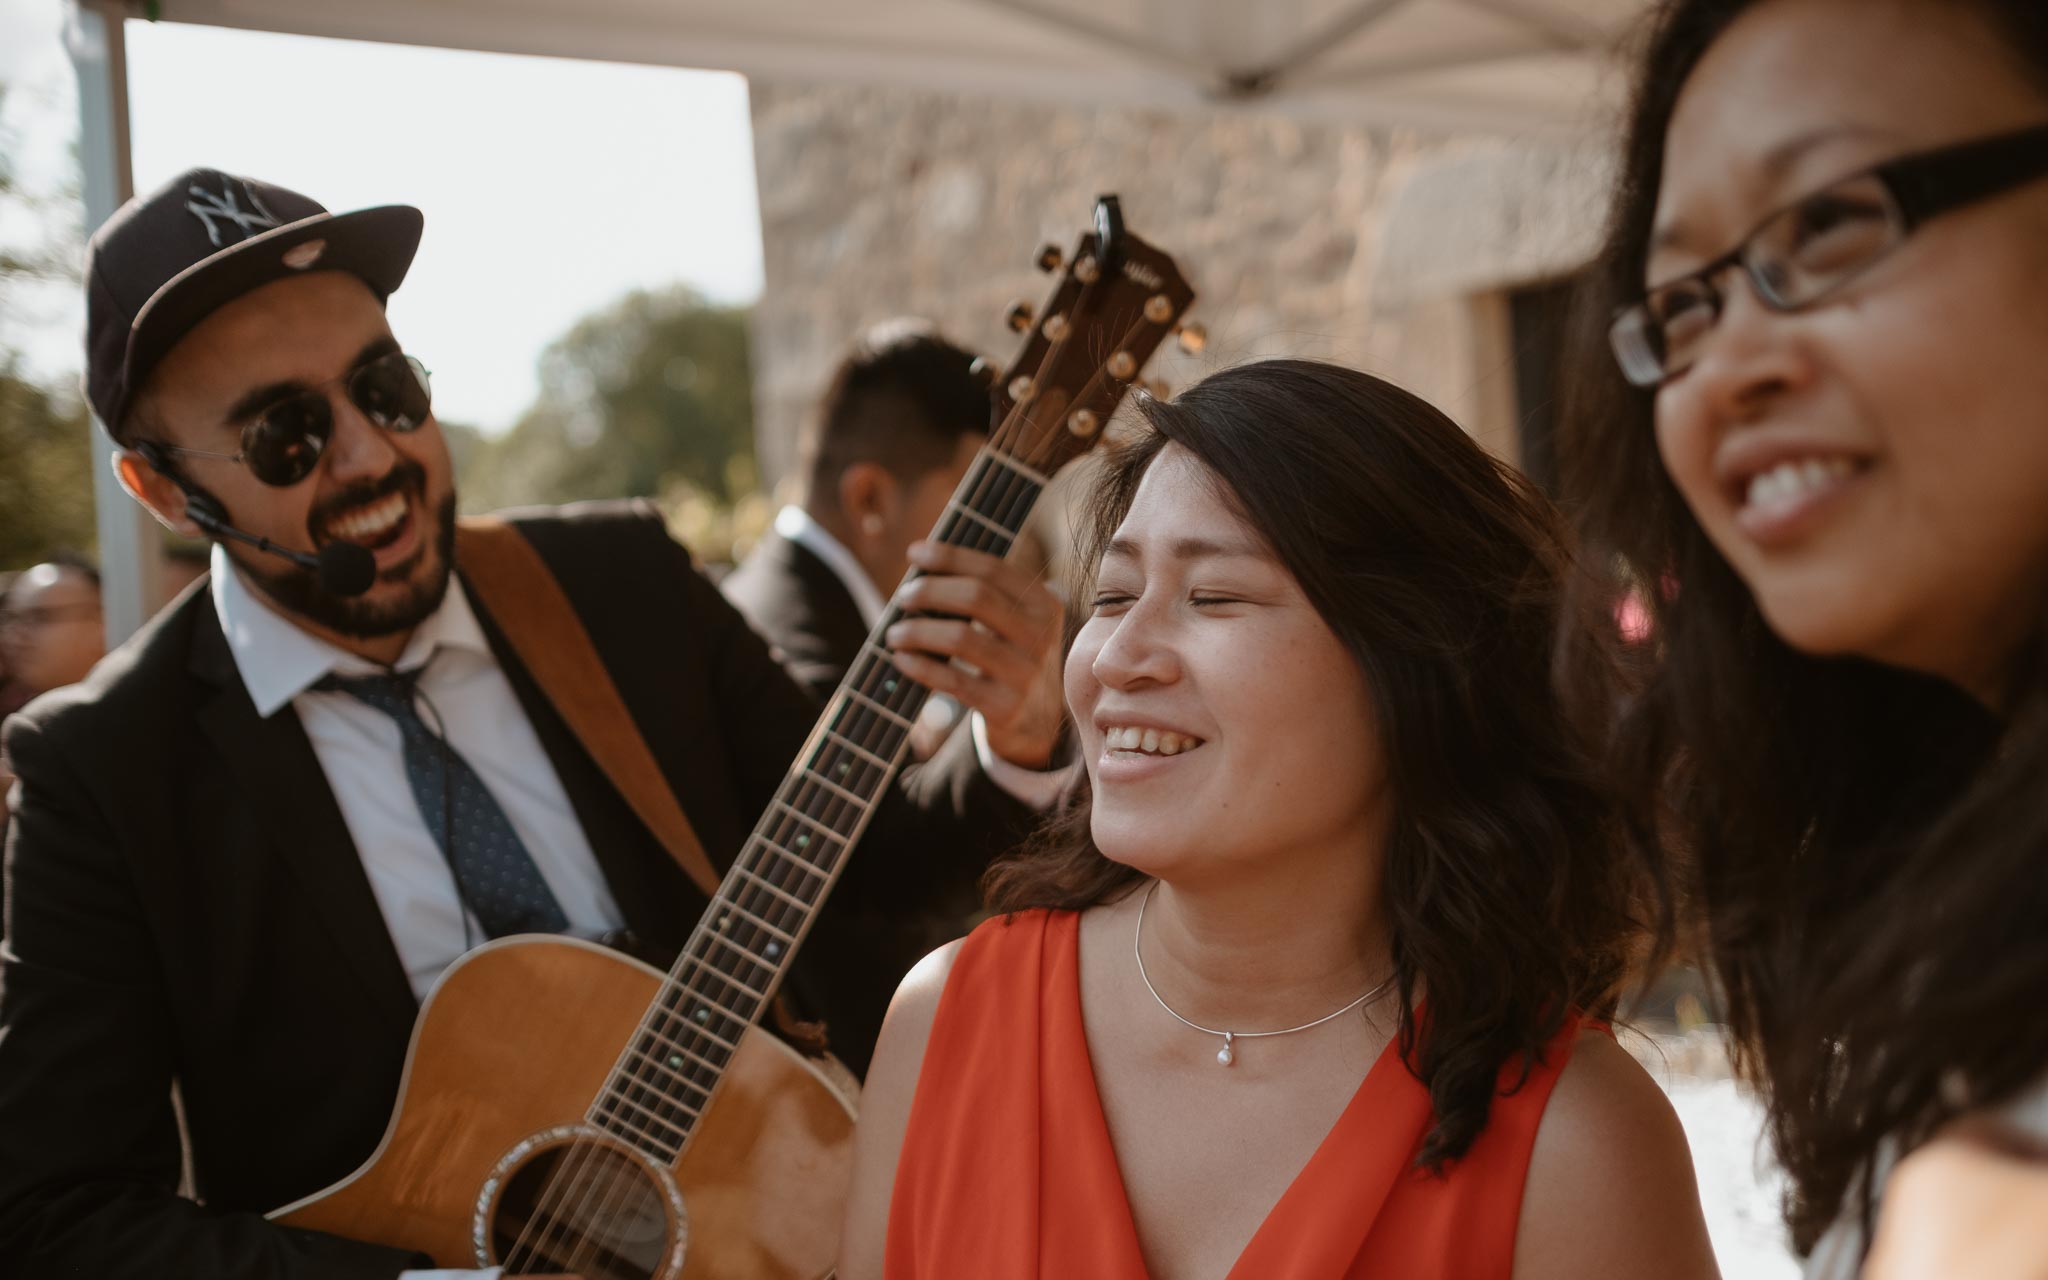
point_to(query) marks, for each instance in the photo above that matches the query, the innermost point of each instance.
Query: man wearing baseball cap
(246, 847)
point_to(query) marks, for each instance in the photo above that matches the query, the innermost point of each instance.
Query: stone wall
(881, 202)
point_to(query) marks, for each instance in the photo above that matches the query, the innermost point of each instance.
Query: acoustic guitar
(567, 1109)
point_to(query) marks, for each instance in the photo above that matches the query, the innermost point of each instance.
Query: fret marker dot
(773, 950)
(676, 1060)
(719, 924)
(803, 840)
(844, 767)
(889, 686)
(702, 1016)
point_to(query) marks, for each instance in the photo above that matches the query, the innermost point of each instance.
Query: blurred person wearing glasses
(51, 631)
(250, 842)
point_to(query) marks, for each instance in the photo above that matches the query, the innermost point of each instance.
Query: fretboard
(733, 962)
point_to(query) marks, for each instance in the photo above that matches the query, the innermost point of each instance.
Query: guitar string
(987, 494)
(1008, 491)
(993, 494)
(994, 479)
(1021, 491)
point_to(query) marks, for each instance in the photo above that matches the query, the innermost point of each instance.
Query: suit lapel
(278, 776)
(835, 616)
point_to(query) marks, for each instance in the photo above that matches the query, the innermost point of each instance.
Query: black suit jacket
(801, 608)
(186, 906)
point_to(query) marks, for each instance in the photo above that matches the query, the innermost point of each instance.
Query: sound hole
(583, 1208)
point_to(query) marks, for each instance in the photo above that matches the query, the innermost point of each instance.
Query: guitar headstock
(1116, 300)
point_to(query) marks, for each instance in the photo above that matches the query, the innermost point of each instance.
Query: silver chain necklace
(1227, 1054)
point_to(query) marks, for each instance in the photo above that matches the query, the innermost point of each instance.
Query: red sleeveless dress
(1007, 1172)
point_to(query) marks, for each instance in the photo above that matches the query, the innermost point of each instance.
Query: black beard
(297, 590)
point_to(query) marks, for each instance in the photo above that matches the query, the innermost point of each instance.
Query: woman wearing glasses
(1297, 991)
(1821, 458)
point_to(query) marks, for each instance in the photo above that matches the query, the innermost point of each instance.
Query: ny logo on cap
(213, 210)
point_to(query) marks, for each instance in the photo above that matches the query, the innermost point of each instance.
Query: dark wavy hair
(1440, 570)
(1856, 850)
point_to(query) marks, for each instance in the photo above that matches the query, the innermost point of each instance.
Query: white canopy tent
(1515, 67)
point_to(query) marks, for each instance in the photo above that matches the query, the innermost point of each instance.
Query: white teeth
(1160, 742)
(370, 521)
(1791, 482)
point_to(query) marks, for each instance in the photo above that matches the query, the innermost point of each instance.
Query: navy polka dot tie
(493, 870)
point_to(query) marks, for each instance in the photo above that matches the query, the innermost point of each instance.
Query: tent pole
(128, 544)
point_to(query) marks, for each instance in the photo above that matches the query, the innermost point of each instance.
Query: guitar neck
(736, 957)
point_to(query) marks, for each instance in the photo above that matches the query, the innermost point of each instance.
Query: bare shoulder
(906, 1030)
(1611, 1188)
(885, 1103)
(916, 1001)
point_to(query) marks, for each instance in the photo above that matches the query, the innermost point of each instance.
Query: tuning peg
(1020, 389)
(1084, 423)
(1159, 308)
(1192, 338)
(1157, 388)
(1055, 328)
(1050, 259)
(1122, 366)
(1087, 269)
(1018, 317)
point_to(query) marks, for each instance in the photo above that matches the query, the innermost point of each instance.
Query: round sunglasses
(282, 444)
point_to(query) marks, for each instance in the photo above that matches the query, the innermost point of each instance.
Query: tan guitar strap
(519, 593)
(526, 602)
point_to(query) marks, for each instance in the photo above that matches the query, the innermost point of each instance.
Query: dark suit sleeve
(89, 1146)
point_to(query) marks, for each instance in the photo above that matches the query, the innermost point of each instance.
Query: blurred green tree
(46, 453)
(46, 443)
(652, 391)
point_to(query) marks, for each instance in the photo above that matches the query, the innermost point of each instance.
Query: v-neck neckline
(1246, 1266)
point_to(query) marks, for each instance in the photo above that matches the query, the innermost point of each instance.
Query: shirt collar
(279, 660)
(795, 523)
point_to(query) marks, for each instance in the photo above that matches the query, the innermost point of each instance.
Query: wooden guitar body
(509, 1050)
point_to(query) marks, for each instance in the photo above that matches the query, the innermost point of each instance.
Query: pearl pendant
(1225, 1055)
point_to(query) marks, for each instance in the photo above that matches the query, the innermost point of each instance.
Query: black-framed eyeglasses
(282, 444)
(1815, 245)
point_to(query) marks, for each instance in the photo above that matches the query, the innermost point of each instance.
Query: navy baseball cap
(165, 261)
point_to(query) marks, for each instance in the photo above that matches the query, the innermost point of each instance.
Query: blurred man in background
(900, 423)
(51, 634)
(51, 631)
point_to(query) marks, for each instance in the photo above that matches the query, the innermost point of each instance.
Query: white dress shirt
(465, 696)
(1040, 790)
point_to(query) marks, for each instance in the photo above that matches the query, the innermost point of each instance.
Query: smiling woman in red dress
(1309, 983)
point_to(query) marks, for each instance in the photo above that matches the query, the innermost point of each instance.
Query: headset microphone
(345, 569)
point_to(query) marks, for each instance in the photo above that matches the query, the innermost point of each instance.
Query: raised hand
(1001, 621)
